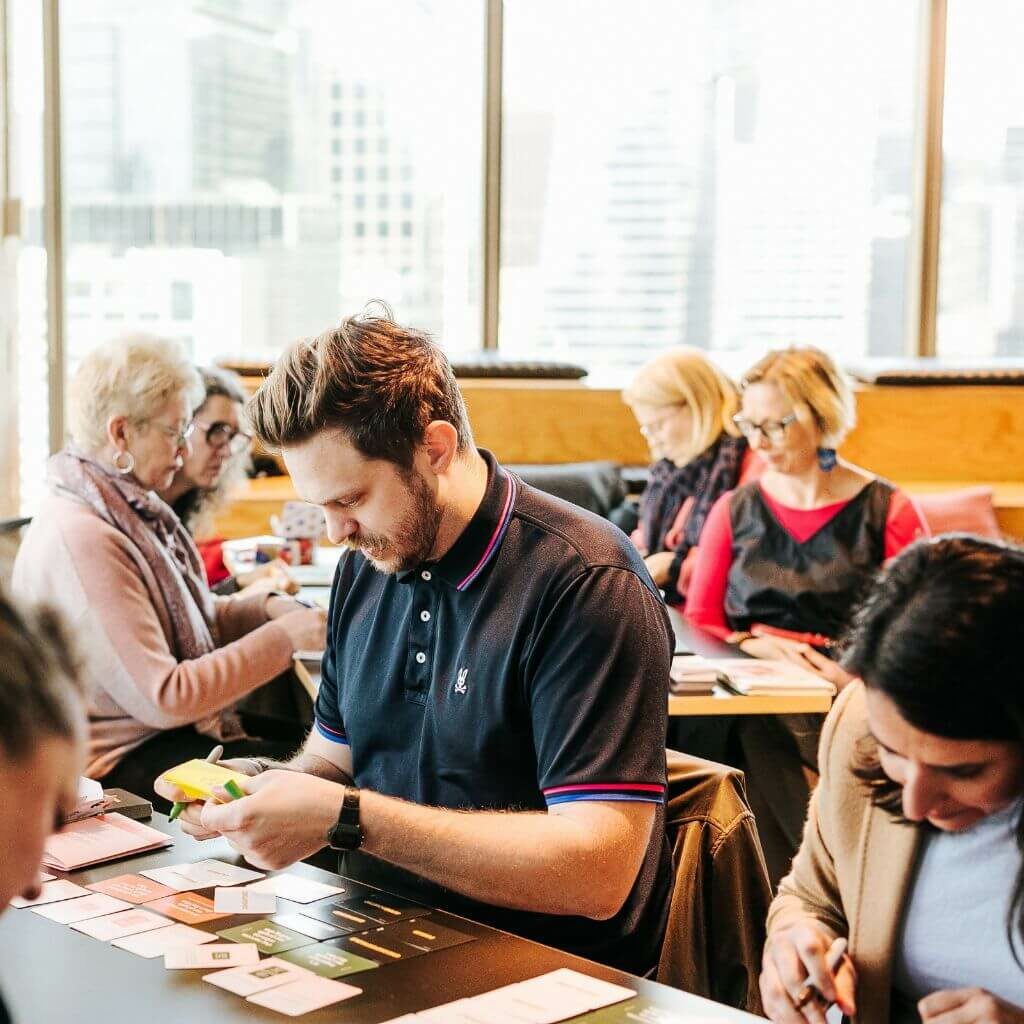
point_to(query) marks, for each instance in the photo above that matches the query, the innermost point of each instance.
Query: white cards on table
(304, 995)
(547, 999)
(52, 892)
(117, 926)
(213, 954)
(239, 900)
(159, 941)
(81, 908)
(201, 875)
(295, 888)
(246, 981)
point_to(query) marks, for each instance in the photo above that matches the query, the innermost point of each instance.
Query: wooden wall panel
(925, 437)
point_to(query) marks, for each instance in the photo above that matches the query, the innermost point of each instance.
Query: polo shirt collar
(478, 544)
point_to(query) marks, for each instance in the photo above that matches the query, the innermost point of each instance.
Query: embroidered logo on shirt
(460, 683)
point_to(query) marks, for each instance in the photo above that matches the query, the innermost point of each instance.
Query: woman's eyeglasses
(773, 431)
(220, 434)
(178, 435)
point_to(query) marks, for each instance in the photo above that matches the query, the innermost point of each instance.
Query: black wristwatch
(347, 833)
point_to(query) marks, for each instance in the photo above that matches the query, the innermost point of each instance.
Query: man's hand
(968, 1006)
(795, 956)
(190, 817)
(284, 817)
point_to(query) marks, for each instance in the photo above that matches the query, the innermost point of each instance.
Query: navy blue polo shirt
(525, 668)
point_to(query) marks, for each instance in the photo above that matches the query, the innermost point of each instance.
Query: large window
(582, 180)
(244, 172)
(731, 175)
(981, 267)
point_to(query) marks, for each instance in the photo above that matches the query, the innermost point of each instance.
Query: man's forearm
(526, 861)
(308, 764)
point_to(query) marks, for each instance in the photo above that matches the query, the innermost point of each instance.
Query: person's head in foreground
(42, 740)
(936, 646)
(796, 408)
(683, 404)
(373, 429)
(130, 408)
(217, 448)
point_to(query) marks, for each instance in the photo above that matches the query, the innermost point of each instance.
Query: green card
(327, 960)
(268, 937)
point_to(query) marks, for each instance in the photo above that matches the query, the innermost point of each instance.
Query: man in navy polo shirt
(492, 710)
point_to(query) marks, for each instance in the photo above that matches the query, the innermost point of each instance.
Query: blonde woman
(164, 660)
(784, 560)
(685, 407)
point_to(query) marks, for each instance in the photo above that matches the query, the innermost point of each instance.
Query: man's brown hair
(379, 383)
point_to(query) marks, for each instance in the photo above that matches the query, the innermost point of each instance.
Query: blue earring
(827, 459)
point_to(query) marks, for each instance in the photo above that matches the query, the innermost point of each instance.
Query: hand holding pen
(803, 973)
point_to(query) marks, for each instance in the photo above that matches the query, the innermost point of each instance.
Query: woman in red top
(783, 561)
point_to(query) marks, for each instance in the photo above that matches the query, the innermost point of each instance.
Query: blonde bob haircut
(818, 390)
(132, 376)
(685, 376)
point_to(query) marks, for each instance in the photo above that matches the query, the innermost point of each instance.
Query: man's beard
(414, 536)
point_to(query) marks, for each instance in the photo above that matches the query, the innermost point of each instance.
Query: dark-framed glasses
(220, 434)
(773, 431)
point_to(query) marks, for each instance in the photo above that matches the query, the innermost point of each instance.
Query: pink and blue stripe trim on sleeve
(638, 792)
(330, 734)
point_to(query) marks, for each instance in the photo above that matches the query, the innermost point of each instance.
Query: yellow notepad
(197, 779)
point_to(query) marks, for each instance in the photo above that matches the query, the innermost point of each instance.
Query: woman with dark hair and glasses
(783, 561)
(216, 463)
(914, 848)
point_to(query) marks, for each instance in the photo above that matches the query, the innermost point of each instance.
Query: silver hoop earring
(129, 465)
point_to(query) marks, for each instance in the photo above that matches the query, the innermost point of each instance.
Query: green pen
(212, 758)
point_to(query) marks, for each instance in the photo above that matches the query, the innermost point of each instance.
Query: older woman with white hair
(685, 407)
(164, 660)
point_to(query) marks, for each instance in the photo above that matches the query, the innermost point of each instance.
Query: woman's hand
(658, 566)
(796, 956)
(306, 628)
(968, 1006)
(781, 648)
(272, 576)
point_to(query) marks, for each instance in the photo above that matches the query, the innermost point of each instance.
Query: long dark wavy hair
(939, 636)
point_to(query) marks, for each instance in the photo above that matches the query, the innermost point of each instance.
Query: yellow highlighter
(197, 779)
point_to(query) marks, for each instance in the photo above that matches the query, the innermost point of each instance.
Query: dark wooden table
(50, 974)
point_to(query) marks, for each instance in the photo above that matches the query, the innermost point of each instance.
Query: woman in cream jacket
(913, 846)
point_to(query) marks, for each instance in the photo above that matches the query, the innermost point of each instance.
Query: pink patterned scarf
(165, 546)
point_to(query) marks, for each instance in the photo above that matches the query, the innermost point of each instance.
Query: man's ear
(441, 443)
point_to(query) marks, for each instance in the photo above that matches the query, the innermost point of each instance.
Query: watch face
(346, 837)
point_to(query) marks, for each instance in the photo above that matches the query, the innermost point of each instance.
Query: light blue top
(954, 924)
